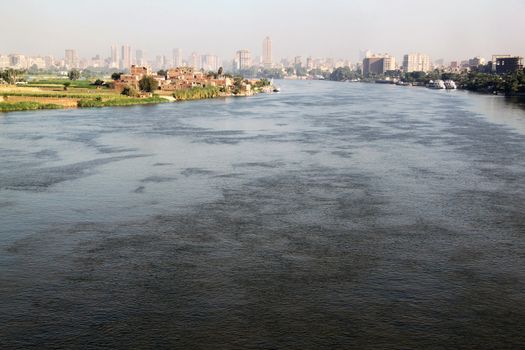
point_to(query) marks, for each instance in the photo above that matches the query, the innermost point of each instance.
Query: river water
(329, 216)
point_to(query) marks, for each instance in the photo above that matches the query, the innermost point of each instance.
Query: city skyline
(336, 29)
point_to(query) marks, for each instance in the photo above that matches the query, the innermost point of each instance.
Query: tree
(73, 74)
(116, 76)
(162, 73)
(148, 84)
(342, 74)
(220, 71)
(66, 85)
(98, 82)
(11, 76)
(129, 91)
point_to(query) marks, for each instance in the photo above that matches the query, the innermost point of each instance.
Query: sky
(452, 30)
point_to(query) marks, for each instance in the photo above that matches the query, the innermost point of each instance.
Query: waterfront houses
(175, 79)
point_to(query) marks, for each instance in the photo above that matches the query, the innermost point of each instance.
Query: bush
(26, 106)
(148, 84)
(73, 74)
(124, 101)
(129, 91)
(196, 93)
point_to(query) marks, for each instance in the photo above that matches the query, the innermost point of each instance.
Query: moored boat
(450, 85)
(437, 84)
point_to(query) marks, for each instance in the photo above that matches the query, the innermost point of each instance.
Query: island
(138, 86)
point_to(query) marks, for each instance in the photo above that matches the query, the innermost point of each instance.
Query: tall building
(506, 65)
(416, 62)
(244, 59)
(159, 62)
(140, 60)
(298, 61)
(114, 57)
(17, 61)
(309, 63)
(177, 57)
(71, 59)
(209, 62)
(195, 61)
(378, 64)
(267, 52)
(4, 61)
(125, 58)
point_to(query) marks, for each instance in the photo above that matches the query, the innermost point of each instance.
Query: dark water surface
(330, 216)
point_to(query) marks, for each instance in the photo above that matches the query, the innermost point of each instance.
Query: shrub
(130, 91)
(26, 106)
(196, 93)
(148, 84)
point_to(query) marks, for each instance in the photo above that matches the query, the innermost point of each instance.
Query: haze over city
(448, 29)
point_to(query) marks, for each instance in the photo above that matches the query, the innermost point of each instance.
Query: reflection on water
(329, 216)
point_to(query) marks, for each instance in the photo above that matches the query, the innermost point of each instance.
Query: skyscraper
(209, 62)
(139, 58)
(114, 57)
(416, 62)
(267, 52)
(195, 61)
(244, 59)
(125, 60)
(177, 57)
(71, 58)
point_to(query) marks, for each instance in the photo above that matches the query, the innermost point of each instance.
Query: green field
(26, 106)
(120, 101)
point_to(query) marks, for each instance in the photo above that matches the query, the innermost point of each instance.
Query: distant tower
(125, 60)
(195, 61)
(114, 57)
(139, 58)
(244, 59)
(267, 52)
(71, 58)
(177, 57)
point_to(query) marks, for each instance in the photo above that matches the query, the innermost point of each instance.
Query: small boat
(403, 83)
(274, 88)
(437, 85)
(385, 81)
(450, 85)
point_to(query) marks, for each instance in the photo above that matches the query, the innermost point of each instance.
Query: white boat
(450, 85)
(274, 88)
(438, 85)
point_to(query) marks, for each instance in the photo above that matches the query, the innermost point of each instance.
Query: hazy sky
(449, 29)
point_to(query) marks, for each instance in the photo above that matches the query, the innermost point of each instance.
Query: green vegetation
(26, 106)
(508, 84)
(148, 84)
(116, 75)
(55, 94)
(73, 74)
(343, 74)
(262, 83)
(11, 76)
(122, 101)
(274, 73)
(81, 84)
(130, 91)
(196, 93)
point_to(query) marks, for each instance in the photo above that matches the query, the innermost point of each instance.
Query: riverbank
(34, 97)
